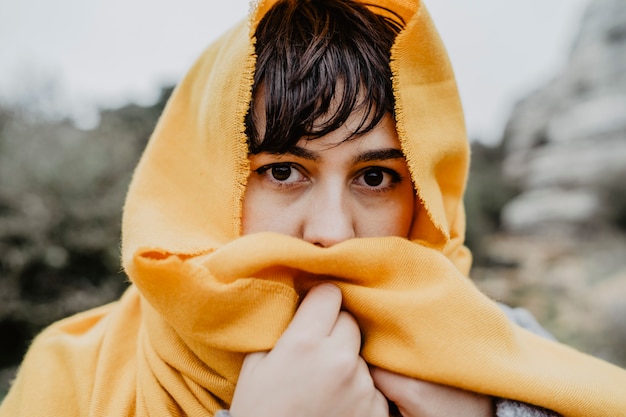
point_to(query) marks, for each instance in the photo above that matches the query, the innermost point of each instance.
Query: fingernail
(327, 286)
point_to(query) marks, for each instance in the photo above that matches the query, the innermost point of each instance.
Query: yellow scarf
(203, 296)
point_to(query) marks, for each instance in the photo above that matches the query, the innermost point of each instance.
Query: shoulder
(61, 365)
(525, 319)
(509, 408)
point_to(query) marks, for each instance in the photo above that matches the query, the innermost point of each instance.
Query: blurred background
(543, 82)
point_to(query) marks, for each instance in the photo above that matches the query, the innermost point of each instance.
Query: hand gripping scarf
(203, 297)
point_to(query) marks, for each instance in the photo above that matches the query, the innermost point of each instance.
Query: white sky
(107, 52)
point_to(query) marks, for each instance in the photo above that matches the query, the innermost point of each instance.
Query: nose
(328, 219)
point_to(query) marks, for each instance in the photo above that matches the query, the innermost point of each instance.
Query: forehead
(380, 143)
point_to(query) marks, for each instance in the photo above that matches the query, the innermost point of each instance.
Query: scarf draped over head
(203, 296)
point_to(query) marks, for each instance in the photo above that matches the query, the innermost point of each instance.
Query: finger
(390, 384)
(346, 332)
(317, 313)
(381, 405)
(417, 397)
(252, 360)
(396, 388)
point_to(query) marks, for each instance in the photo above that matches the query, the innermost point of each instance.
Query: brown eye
(377, 178)
(282, 175)
(281, 172)
(373, 178)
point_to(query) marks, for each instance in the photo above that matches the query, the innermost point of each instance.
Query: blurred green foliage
(487, 192)
(613, 192)
(61, 195)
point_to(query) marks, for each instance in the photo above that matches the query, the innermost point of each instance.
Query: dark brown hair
(317, 62)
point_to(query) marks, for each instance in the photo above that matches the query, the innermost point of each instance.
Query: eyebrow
(303, 153)
(378, 155)
(368, 156)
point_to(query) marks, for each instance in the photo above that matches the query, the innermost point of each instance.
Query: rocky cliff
(565, 145)
(563, 235)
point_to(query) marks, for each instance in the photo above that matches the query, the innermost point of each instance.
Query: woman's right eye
(281, 173)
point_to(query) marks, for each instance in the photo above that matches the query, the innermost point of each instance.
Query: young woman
(326, 165)
(294, 235)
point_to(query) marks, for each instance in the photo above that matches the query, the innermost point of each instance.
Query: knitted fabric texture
(202, 296)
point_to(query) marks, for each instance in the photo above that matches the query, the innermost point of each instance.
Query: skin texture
(326, 191)
(314, 369)
(416, 398)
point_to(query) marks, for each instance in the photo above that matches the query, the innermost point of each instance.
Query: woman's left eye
(377, 177)
(281, 173)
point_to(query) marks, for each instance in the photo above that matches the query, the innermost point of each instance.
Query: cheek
(253, 217)
(250, 219)
(403, 211)
(264, 212)
(393, 218)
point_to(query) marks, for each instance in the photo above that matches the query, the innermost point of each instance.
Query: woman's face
(328, 190)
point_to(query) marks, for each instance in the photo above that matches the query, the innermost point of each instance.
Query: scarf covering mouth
(203, 297)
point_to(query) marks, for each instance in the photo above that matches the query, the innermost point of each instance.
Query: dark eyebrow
(373, 155)
(378, 155)
(303, 153)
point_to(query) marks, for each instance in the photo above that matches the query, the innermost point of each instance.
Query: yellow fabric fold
(419, 316)
(203, 296)
(176, 348)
